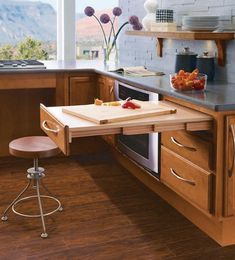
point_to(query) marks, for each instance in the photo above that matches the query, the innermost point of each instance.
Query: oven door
(143, 148)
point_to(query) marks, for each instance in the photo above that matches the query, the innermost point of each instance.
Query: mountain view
(19, 20)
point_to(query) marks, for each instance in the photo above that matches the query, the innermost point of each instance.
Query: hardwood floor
(108, 214)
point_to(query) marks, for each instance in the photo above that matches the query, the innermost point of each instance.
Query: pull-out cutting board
(62, 128)
(111, 114)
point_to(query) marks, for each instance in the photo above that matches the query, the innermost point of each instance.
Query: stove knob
(14, 65)
(1, 65)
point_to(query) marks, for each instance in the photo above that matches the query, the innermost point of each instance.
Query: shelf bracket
(159, 47)
(221, 51)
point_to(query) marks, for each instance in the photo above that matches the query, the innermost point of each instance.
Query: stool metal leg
(35, 164)
(44, 234)
(34, 175)
(4, 216)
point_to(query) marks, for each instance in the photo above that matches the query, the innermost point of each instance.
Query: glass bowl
(188, 82)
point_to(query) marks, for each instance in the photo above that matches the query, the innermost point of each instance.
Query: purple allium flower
(134, 20)
(137, 27)
(89, 11)
(117, 11)
(104, 18)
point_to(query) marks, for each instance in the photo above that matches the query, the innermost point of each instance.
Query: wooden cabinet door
(229, 173)
(106, 89)
(82, 90)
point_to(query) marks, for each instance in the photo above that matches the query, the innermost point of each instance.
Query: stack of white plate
(200, 23)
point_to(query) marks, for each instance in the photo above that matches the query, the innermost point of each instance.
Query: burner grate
(21, 64)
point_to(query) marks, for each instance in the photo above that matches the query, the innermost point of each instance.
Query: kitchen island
(208, 201)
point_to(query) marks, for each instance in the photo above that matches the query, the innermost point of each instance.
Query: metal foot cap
(4, 218)
(44, 235)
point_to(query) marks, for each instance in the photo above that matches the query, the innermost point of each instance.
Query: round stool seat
(33, 147)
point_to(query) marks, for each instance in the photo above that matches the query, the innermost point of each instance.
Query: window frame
(66, 30)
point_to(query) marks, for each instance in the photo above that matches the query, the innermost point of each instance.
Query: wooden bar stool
(34, 147)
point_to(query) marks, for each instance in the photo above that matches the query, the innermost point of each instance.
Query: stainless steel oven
(143, 148)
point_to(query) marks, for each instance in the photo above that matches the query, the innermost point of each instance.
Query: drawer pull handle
(181, 178)
(230, 171)
(192, 149)
(54, 131)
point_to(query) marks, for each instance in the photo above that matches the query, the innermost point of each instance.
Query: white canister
(147, 21)
(150, 6)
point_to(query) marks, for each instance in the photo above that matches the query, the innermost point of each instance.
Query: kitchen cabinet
(193, 176)
(230, 166)
(82, 89)
(197, 155)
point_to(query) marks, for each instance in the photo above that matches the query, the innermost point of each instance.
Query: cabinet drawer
(190, 146)
(57, 131)
(62, 127)
(186, 179)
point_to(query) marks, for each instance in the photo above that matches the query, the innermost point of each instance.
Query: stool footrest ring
(37, 215)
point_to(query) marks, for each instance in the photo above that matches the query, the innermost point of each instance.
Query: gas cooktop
(21, 64)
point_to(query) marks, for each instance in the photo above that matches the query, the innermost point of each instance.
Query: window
(28, 29)
(44, 29)
(89, 37)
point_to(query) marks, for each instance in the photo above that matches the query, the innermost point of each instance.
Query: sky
(81, 4)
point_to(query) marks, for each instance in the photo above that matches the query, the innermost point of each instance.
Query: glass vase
(111, 57)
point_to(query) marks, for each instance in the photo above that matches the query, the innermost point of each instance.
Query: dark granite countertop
(218, 96)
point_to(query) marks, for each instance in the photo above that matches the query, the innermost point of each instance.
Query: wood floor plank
(108, 214)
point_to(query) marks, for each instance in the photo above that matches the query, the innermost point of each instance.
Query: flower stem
(115, 38)
(112, 29)
(114, 35)
(106, 43)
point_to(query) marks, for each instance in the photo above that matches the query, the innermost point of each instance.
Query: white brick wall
(142, 50)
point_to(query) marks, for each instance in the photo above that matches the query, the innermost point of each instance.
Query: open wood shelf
(219, 37)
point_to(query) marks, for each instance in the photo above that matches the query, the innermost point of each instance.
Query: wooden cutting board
(110, 114)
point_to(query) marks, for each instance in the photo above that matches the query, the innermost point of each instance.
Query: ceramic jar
(206, 64)
(185, 60)
(150, 7)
